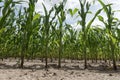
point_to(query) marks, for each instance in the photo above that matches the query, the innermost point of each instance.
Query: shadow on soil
(65, 67)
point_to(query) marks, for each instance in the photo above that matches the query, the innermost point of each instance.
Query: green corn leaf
(105, 7)
(89, 12)
(79, 22)
(87, 6)
(51, 10)
(0, 18)
(63, 17)
(116, 19)
(37, 16)
(100, 18)
(112, 38)
(46, 13)
(70, 11)
(2, 30)
(75, 11)
(91, 21)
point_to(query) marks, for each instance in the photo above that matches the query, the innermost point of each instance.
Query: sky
(71, 4)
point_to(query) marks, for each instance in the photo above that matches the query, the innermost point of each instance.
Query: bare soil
(34, 70)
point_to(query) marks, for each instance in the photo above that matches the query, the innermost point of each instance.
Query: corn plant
(27, 34)
(48, 24)
(93, 42)
(110, 25)
(61, 18)
(6, 23)
(84, 10)
(26, 26)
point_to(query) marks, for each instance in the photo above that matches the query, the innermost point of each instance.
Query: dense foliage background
(27, 34)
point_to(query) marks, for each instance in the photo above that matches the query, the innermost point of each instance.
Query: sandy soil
(34, 70)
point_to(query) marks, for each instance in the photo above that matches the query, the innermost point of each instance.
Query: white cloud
(72, 4)
(76, 26)
(38, 6)
(75, 4)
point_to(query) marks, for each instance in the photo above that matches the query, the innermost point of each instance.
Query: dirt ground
(34, 70)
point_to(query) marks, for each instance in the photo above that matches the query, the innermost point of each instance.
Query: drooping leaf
(91, 21)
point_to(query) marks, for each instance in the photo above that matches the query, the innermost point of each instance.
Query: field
(34, 70)
(59, 42)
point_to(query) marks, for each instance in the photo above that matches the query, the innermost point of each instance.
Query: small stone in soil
(54, 74)
(46, 70)
(71, 73)
(110, 75)
(44, 75)
(83, 73)
(9, 77)
(33, 70)
(20, 75)
(25, 74)
(79, 75)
